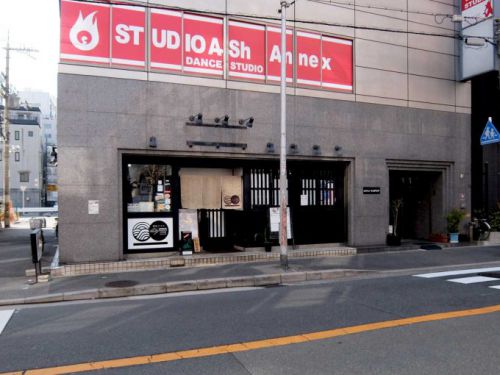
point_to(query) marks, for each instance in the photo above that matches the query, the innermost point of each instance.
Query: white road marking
(5, 316)
(473, 279)
(457, 272)
(495, 287)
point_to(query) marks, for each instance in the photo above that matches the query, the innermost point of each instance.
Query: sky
(31, 24)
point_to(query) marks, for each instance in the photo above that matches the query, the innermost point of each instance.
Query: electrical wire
(378, 8)
(340, 5)
(453, 35)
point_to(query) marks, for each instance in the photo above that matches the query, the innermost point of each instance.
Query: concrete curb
(188, 261)
(186, 286)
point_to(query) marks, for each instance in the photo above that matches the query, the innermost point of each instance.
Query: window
(17, 156)
(148, 188)
(24, 177)
(17, 135)
(30, 133)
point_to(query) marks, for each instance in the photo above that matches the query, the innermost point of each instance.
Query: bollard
(37, 247)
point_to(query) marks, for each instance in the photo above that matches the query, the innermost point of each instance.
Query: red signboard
(336, 65)
(308, 59)
(194, 44)
(246, 51)
(129, 36)
(84, 32)
(475, 11)
(166, 39)
(467, 4)
(203, 45)
(274, 54)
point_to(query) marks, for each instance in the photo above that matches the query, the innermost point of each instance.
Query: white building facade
(25, 163)
(48, 109)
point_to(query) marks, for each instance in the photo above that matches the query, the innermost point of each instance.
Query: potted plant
(393, 238)
(454, 217)
(494, 221)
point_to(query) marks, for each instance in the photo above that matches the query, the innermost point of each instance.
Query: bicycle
(480, 229)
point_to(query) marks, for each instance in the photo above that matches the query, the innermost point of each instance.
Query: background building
(26, 155)
(48, 109)
(374, 111)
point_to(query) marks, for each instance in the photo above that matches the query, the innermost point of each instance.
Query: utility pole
(6, 134)
(283, 174)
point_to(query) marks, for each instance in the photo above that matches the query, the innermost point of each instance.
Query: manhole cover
(430, 247)
(121, 283)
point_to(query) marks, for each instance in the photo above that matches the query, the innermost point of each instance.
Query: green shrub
(454, 218)
(494, 221)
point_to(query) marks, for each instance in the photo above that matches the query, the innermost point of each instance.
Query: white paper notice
(304, 201)
(93, 207)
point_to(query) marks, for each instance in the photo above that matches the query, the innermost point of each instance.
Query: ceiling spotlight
(197, 119)
(224, 120)
(248, 122)
(294, 148)
(270, 147)
(316, 150)
(337, 148)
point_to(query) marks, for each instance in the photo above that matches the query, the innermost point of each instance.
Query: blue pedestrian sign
(490, 134)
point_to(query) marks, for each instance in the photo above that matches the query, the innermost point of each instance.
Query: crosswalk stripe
(5, 316)
(457, 272)
(473, 279)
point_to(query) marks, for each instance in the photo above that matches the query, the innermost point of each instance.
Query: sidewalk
(15, 288)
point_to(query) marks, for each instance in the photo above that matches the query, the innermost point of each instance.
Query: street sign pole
(283, 174)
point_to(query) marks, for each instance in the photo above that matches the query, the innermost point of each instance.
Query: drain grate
(121, 283)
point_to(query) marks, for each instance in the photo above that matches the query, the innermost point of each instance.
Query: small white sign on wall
(93, 207)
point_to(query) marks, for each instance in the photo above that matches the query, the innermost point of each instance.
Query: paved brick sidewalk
(15, 288)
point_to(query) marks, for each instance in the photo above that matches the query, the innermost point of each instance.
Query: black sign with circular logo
(158, 230)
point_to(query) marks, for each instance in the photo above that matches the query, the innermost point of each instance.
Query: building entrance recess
(420, 195)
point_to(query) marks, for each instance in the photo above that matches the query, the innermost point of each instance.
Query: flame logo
(84, 34)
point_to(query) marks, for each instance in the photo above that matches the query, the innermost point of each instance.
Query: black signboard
(371, 189)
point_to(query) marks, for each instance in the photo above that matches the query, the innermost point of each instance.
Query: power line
(452, 35)
(332, 2)
(346, 6)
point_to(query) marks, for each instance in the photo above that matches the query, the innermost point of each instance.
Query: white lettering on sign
(313, 61)
(238, 49)
(195, 43)
(308, 60)
(209, 45)
(204, 63)
(276, 55)
(167, 39)
(326, 63)
(247, 68)
(215, 48)
(471, 3)
(198, 44)
(123, 36)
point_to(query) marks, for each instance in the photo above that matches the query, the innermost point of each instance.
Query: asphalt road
(55, 335)
(15, 257)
